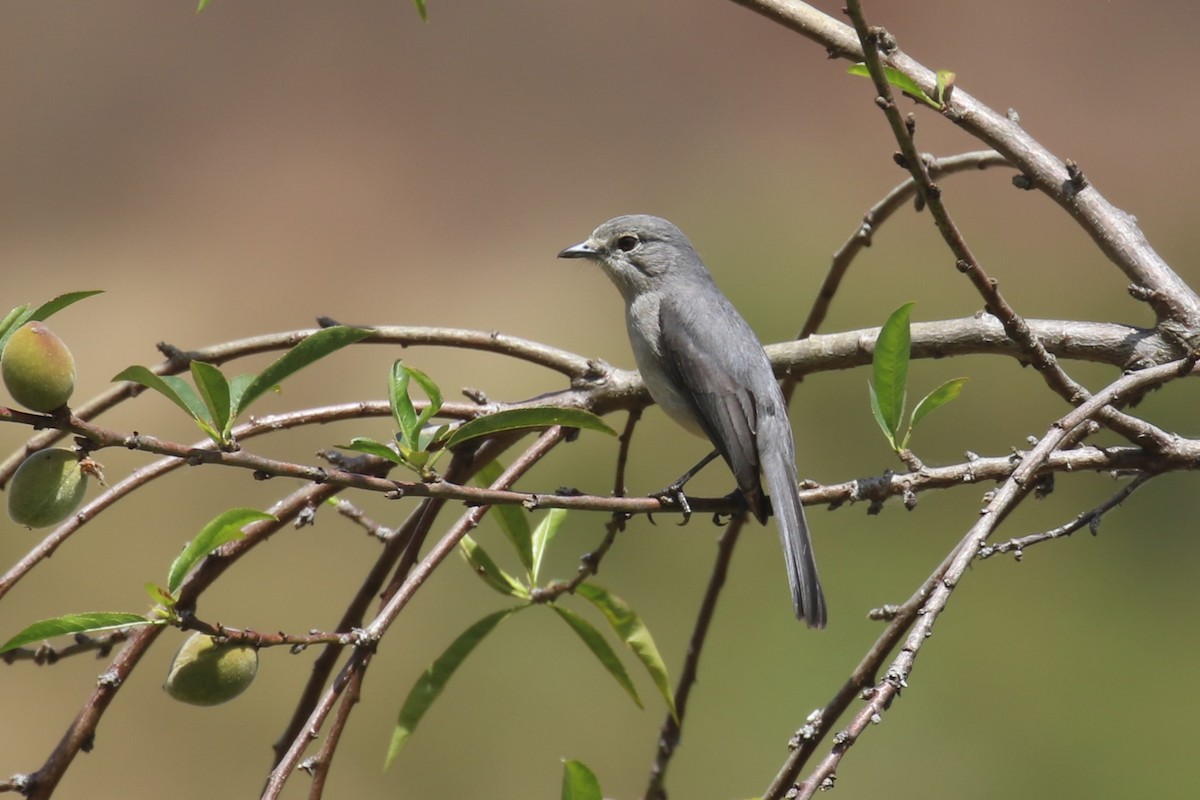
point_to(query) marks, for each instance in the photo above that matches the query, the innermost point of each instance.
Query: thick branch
(1114, 231)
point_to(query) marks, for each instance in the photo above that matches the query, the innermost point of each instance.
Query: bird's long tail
(778, 463)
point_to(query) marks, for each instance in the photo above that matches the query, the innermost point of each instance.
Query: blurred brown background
(247, 169)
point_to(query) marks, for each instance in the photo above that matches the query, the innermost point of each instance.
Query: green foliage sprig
(530, 545)
(419, 445)
(888, 386)
(226, 527)
(217, 402)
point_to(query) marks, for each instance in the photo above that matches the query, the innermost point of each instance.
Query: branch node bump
(1076, 180)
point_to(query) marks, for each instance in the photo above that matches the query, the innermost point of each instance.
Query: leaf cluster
(216, 402)
(888, 386)
(418, 444)
(530, 545)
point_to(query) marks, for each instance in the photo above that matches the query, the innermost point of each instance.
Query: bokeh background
(247, 169)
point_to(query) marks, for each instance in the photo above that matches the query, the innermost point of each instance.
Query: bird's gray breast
(643, 321)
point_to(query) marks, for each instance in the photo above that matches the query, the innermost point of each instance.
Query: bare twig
(1014, 325)
(1090, 519)
(864, 235)
(324, 760)
(46, 654)
(1115, 232)
(672, 727)
(878, 214)
(944, 580)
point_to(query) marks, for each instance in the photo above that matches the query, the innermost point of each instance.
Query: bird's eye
(628, 242)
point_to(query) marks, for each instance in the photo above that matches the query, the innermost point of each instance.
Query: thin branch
(143, 475)
(575, 367)
(944, 580)
(1114, 231)
(966, 262)
(81, 732)
(387, 615)
(324, 760)
(876, 216)
(672, 727)
(246, 636)
(864, 235)
(356, 515)
(46, 654)
(626, 441)
(607, 389)
(354, 615)
(352, 619)
(1180, 455)
(820, 723)
(1089, 519)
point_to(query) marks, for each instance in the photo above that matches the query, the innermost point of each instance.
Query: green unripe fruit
(207, 674)
(46, 488)
(38, 369)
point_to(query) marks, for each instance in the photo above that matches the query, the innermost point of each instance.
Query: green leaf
(413, 434)
(521, 418)
(511, 518)
(237, 387)
(403, 411)
(203, 4)
(313, 348)
(600, 649)
(889, 368)
(427, 435)
(545, 532)
(483, 566)
(433, 681)
(226, 527)
(88, 622)
(629, 626)
(579, 782)
(10, 323)
(178, 392)
(936, 399)
(214, 390)
(362, 444)
(23, 313)
(420, 4)
(432, 393)
(877, 412)
(899, 80)
(51, 307)
(192, 402)
(188, 398)
(160, 595)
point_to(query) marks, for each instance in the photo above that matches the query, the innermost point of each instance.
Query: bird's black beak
(582, 250)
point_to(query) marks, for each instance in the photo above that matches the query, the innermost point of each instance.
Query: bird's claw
(674, 494)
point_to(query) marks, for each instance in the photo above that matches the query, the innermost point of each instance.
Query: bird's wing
(722, 401)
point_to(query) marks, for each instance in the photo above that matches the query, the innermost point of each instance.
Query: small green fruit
(205, 673)
(38, 369)
(46, 488)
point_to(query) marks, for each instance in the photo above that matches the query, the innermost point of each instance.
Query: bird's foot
(673, 494)
(739, 501)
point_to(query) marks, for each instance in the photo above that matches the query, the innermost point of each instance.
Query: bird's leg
(674, 491)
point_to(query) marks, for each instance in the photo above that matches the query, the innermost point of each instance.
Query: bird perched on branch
(704, 365)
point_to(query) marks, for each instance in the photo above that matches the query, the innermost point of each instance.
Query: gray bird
(703, 364)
